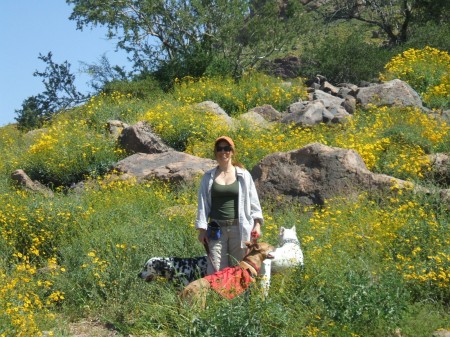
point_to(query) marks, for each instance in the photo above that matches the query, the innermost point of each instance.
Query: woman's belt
(226, 223)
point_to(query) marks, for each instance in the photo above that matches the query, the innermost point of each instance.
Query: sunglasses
(226, 148)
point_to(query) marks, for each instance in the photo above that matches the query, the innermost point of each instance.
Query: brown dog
(231, 281)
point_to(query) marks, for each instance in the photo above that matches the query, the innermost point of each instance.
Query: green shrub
(342, 57)
(253, 89)
(115, 106)
(146, 88)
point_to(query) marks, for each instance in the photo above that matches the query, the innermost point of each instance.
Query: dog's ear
(293, 228)
(282, 230)
(248, 244)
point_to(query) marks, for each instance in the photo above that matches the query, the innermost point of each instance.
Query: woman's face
(223, 152)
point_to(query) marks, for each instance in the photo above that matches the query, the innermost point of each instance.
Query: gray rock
(24, 181)
(327, 99)
(115, 127)
(255, 119)
(317, 172)
(296, 107)
(209, 106)
(140, 138)
(170, 166)
(312, 114)
(268, 112)
(392, 93)
(349, 104)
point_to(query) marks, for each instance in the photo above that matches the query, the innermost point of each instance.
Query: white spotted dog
(175, 269)
(287, 255)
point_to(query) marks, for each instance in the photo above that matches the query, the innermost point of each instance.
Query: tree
(393, 17)
(60, 94)
(103, 73)
(163, 33)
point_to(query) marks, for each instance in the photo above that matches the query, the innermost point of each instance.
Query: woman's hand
(202, 236)
(256, 231)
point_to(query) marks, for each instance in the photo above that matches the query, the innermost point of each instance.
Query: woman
(228, 197)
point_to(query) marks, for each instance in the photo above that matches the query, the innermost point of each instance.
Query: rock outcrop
(318, 172)
(25, 182)
(140, 138)
(170, 166)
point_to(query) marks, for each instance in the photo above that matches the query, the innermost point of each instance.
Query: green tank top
(224, 200)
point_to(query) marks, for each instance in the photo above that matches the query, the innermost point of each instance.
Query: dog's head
(156, 267)
(262, 248)
(287, 234)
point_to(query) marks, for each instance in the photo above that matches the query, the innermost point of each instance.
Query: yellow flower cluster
(254, 89)
(426, 70)
(369, 134)
(97, 267)
(21, 298)
(362, 227)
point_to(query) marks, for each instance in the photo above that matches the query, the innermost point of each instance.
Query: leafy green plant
(343, 57)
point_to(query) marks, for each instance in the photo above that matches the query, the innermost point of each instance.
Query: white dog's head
(286, 234)
(288, 253)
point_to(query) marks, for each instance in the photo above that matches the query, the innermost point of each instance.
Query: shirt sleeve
(203, 207)
(255, 206)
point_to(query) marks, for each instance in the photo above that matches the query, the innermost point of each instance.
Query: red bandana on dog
(231, 281)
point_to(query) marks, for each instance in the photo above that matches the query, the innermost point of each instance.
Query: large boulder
(255, 120)
(391, 93)
(315, 173)
(25, 182)
(170, 166)
(140, 138)
(268, 112)
(312, 113)
(214, 108)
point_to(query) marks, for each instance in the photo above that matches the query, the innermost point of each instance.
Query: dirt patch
(92, 328)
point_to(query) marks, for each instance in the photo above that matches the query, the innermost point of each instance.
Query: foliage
(237, 97)
(60, 93)
(429, 34)
(342, 57)
(181, 38)
(375, 265)
(145, 88)
(394, 140)
(112, 106)
(103, 73)
(61, 156)
(392, 17)
(427, 71)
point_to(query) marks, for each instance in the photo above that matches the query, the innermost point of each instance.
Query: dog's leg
(265, 273)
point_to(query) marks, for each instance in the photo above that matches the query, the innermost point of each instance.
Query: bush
(344, 58)
(67, 152)
(115, 106)
(253, 89)
(145, 88)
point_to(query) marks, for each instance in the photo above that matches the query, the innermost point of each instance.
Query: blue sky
(30, 27)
